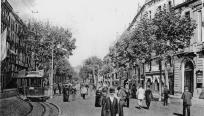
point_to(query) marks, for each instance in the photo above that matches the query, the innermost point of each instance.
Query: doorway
(188, 76)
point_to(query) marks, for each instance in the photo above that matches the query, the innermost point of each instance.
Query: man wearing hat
(186, 96)
(111, 103)
(103, 102)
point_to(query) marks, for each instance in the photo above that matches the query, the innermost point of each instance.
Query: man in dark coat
(186, 96)
(121, 96)
(103, 102)
(111, 104)
(148, 96)
(166, 95)
(66, 93)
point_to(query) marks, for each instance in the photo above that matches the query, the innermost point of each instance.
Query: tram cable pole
(52, 72)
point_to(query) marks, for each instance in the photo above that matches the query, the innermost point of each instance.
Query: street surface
(80, 107)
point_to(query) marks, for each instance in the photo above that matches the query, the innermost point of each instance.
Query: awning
(157, 77)
(147, 78)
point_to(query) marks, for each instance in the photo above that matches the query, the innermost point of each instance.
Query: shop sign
(199, 75)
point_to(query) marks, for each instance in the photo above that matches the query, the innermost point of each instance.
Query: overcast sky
(94, 23)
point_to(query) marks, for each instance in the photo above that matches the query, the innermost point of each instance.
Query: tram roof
(31, 74)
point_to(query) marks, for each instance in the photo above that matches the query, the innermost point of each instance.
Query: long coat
(111, 108)
(66, 94)
(122, 96)
(103, 105)
(148, 95)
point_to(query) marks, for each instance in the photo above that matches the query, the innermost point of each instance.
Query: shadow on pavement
(177, 114)
(145, 107)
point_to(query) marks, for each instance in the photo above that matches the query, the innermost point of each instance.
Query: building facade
(17, 56)
(189, 62)
(186, 67)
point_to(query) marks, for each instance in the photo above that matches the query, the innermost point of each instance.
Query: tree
(92, 66)
(173, 32)
(64, 70)
(84, 72)
(43, 38)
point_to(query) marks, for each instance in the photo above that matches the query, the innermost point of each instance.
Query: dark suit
(148, 97)
(186, 96)
(111, 108)
(166, 96)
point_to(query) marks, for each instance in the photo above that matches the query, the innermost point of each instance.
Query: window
(187, 14)
(150, 15)
(170, 5)
(164, 7)
(159, 8)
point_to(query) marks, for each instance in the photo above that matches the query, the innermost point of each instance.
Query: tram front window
(35, 82)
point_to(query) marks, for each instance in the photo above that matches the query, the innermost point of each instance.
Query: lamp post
(52, 72)
(52, 68)
(143, 75)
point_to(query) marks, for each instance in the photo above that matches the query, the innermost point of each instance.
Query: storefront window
(199, 79)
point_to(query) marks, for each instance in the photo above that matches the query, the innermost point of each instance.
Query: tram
(32, 86)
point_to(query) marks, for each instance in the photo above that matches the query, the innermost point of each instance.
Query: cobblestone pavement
(14, 106)
(80, 107)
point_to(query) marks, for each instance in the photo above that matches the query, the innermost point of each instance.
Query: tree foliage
(92, 66)
(43, 38)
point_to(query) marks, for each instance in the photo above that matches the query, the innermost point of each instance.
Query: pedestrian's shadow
(141, 107)
(137, 107)
(177, 114)
(145, 107)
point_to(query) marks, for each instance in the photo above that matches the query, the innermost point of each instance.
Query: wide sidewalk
(86, 107)
(176, 99)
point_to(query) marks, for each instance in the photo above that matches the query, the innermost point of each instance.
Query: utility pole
(52, 72)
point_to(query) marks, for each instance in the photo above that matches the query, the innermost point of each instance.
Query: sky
(95, 24)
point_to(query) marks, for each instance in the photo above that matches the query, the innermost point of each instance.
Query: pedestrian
(121, 97)
(134, 90)
(59, 88)
(73, 93)
(140, 96)
(166, 95)
(148, 96)
(186, 96)
(127, 91)
(111, 104)
(103, 102)
(83, 92)
(65, 93)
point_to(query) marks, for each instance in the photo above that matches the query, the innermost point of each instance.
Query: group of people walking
(112, 102)
(67, 91)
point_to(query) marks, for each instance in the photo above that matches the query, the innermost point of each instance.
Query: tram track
(44, 109)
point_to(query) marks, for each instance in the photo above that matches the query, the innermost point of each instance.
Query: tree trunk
(160, 79)
(166, 76)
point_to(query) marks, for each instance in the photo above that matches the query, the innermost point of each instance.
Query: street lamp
(143, 75)
(52, 69)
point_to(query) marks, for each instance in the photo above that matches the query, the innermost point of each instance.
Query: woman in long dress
(140, 96)
(83, 92)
